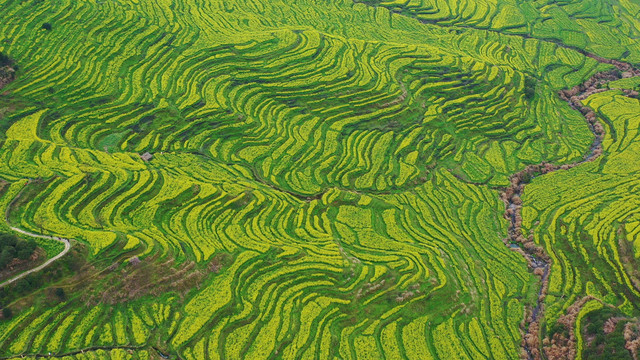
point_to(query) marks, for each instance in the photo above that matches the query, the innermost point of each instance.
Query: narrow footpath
(67, 247)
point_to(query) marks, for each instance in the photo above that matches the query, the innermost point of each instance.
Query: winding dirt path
(536, 256)
(67, 247)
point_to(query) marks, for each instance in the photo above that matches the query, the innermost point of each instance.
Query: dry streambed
(536, 256)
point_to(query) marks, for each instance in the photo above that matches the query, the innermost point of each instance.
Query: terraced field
(304, 179)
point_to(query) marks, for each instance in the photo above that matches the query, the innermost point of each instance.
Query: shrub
(7, 313)
(13, 247)
(5, 60)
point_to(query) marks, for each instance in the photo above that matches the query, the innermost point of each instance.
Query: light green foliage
(345, 156)
(601, 27)
(585, 216)
(628, 83)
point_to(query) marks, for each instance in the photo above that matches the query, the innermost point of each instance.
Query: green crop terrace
(325, 179)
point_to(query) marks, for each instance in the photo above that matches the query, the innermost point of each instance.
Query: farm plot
(316, 180)
(589, 216)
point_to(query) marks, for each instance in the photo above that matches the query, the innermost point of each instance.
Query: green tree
(7, 313)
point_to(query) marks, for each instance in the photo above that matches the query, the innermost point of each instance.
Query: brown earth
(7, 75)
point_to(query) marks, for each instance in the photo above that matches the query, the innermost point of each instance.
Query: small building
(146, 156)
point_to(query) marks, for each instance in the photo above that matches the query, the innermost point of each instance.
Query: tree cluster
(5, 60)
(7, 70)
(12, 247)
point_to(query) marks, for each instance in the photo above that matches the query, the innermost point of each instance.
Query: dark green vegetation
(7, 69)
(12, 247)
(604, 335)
(323, 178)
(5, 60)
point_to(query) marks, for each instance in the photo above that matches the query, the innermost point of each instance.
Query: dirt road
(67, 247)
